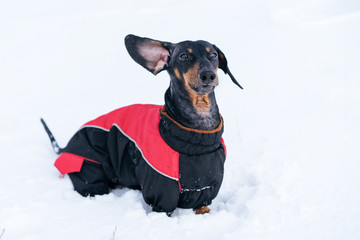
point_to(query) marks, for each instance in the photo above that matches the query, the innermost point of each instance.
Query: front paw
(202, 210)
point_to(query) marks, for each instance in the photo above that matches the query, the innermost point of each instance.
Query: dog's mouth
(207, 87)
(203, 88)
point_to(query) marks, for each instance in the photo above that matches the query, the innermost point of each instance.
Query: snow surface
(292, 135)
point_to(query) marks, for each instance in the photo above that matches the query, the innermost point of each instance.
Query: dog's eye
(184, 56)
(213, 55)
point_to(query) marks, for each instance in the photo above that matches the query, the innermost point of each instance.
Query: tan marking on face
(190, 50)
(216, 81)
(192, 75)
(207, 49)
(201, 102)
(177, 73)
(217, 78)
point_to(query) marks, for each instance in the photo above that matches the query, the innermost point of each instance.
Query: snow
(292, 135)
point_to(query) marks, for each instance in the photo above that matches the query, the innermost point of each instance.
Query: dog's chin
(203, 89)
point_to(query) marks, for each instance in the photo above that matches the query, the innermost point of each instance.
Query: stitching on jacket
(94, 126)
(195, 189)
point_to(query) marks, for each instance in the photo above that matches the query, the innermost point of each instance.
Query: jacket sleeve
(160, 192)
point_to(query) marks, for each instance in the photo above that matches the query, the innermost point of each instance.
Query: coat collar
(187, 140)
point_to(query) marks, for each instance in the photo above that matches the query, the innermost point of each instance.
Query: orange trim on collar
(163, 111)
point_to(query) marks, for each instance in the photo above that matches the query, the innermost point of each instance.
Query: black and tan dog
(173, 153)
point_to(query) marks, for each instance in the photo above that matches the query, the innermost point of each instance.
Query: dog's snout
(207, 76)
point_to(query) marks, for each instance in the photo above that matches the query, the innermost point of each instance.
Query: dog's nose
(207, 76)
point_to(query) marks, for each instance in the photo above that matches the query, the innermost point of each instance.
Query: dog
(173, 153)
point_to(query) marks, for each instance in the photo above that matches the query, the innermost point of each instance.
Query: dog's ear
(151, 54)
(223, 65)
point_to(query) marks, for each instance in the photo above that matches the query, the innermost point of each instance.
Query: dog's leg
(202, 210)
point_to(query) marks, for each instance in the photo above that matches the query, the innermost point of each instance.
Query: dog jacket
(142, 147)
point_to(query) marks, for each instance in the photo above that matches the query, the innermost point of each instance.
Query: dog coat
(142, 147)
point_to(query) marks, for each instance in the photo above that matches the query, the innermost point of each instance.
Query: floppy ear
(223, 65)
(151, 54)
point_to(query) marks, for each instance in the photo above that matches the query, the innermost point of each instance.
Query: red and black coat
(141, 147)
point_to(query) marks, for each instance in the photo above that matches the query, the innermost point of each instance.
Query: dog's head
(193, 64)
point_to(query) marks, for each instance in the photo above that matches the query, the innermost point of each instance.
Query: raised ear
(223, 65)
(151, 54)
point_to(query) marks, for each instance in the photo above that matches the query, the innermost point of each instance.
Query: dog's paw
(202, 210)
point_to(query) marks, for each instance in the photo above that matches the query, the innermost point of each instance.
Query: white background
(292, 134)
